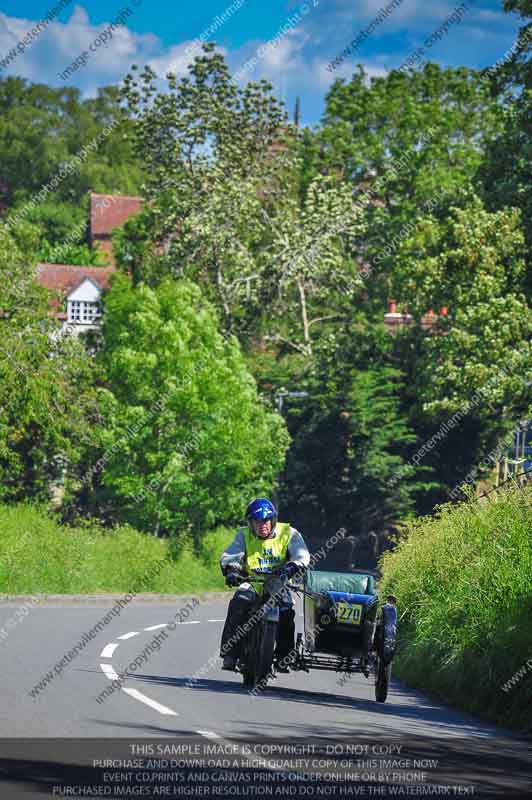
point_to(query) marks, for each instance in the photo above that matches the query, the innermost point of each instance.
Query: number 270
(351, 613)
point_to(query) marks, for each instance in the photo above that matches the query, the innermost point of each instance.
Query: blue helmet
(261, 509)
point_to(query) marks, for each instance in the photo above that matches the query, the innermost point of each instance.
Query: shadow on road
(419, 712)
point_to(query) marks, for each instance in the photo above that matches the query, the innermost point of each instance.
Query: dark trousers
(237, 614)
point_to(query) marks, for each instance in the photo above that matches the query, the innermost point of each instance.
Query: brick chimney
(393, 319)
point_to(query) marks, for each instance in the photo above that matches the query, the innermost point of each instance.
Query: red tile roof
(65, 277)
(108, 211)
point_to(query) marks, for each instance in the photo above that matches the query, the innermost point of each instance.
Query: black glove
(290, 569)
(233, 577)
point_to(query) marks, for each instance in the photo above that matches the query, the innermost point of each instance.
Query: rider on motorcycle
(264, 545)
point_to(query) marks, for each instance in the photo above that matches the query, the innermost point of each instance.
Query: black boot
(285, 650)
(237, 613)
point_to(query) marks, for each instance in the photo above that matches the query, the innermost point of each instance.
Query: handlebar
(256, 575)
(262, 576)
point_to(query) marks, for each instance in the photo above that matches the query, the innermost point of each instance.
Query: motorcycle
(347, 629)
(256, 661)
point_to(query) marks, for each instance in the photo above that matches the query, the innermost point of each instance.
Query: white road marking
(209, 734)
(109, 672)
(149, 702)
(216, 620)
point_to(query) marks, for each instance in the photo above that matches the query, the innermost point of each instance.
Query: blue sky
(160, 31)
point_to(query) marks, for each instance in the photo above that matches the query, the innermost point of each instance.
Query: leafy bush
(463, 580)
(39, 556)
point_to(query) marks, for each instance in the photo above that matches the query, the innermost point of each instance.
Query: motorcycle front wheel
(258, 658)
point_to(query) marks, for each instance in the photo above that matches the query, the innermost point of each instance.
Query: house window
(83, 312)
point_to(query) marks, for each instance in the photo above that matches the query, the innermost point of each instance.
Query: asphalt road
(51, 739)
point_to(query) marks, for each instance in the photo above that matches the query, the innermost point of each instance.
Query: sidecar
(346, 627)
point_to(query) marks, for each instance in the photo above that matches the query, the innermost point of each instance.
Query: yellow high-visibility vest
(264, 554)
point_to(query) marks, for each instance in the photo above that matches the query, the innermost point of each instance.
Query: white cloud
(286, 54)
(12, 29)
(343, 18)
(60, 44)
(296, 61)
(413, 12)
(79, 16)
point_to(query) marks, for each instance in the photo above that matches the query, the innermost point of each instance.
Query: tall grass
(37, 555)
(463, 580)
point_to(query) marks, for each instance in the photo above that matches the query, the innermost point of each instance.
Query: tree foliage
(506, 174)
(349, 439)
(223, 164)
(42, 127)
(186, 440)
(47, 402)
(415, 186)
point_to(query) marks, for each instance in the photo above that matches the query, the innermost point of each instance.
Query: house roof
(86, 282)
(108, 211)
(65, 278)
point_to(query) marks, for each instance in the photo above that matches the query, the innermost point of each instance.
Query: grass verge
(463, 580)
(37, 555)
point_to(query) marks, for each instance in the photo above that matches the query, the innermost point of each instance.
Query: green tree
(218, 158)
(516, 70)
(56, 220)
(467, 378)
(372, 131)
(473, 263)
(407, 143)
(506, 172)
(42, 127)
(225, 208)
(414, 147)
(186, 440)
(311, 263)
(57, 233)
(32, 135)
(349, 439)
(47, 403)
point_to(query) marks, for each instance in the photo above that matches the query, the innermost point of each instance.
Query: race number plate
(348, 613)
